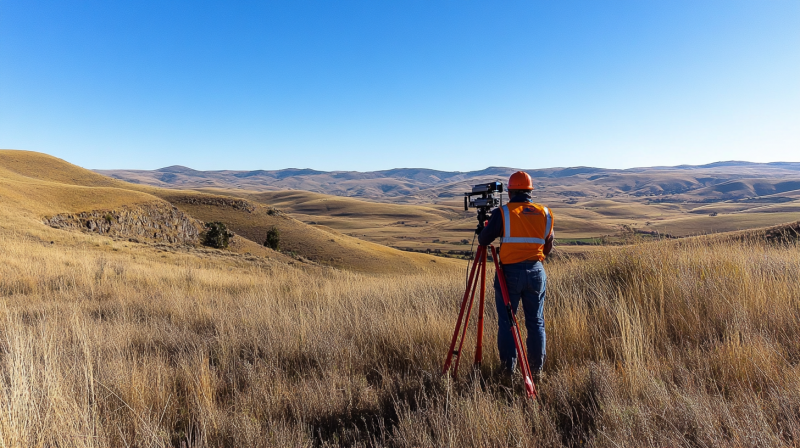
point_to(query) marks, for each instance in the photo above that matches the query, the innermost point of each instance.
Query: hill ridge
(422, 185)
(489, 169)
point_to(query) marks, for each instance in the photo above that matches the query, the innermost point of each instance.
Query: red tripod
(480, 264)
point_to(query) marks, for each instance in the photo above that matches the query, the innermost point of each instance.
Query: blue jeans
(526, 281)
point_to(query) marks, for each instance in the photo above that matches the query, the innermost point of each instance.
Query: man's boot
(537, 377)
(506, 378)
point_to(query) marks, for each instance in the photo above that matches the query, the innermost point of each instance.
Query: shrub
(273, 238)
(216, 235)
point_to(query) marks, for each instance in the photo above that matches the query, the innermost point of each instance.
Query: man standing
(526, 238)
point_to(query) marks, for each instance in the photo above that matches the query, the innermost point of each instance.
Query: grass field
(695, 225)
(652, 344)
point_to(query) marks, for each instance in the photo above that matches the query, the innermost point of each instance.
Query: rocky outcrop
(155, 222)
(217, 201)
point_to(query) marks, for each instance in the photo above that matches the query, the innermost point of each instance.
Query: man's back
(527, 220)
(525, 228)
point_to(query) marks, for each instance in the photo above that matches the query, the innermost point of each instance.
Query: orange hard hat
(520, 181)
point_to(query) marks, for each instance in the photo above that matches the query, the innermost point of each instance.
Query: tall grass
(654, 344)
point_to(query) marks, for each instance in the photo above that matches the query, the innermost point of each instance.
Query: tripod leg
(481, 266)
(521, 354)
(479, 343)
(481, 252)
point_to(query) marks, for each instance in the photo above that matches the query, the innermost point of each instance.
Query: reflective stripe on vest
(522, 240)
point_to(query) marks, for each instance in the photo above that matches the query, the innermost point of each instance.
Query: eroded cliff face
(154, 222)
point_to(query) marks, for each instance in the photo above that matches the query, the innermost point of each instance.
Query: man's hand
(548, 244)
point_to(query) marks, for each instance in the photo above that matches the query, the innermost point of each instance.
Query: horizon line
(317, 171)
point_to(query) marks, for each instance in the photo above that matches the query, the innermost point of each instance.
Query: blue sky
(367, 85)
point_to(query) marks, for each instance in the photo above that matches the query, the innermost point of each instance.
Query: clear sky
(366, 85)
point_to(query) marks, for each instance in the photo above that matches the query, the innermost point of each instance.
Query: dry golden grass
(34, 196)
(703, 224)
(39, 166)
(102, 344)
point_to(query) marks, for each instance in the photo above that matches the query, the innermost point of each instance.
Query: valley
(422, 210)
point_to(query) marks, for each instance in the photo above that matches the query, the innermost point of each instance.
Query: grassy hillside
(35, 186)
(318, 244)
(43, 167)
(406, 226)
(694, 225)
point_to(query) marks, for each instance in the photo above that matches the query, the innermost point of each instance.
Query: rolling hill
(352, 229)
(420, 209)
(723, 180)
(41, 192)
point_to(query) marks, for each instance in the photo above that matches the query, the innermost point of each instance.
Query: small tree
(216, 235)
(273, 238)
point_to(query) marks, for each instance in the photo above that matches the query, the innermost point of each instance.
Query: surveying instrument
(484, 203)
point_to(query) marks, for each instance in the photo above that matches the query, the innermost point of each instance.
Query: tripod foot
(530, 389)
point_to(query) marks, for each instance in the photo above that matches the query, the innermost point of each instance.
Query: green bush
(273, 238)
(216, 235)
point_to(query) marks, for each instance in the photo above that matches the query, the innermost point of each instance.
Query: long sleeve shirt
(494, 228)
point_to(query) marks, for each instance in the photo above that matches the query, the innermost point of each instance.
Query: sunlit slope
(38, 184)
(316, 204)
(34, 186)
(781, 234)
(412, 226)
(396, 225)
(35, 165)
(318, 244)
(695, 225)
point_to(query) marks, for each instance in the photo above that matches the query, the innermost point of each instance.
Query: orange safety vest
(526, 227)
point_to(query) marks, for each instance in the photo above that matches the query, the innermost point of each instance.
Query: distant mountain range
(711, 182)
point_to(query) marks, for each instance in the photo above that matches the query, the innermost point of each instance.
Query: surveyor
(526, 238)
